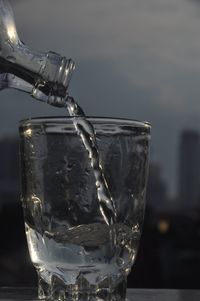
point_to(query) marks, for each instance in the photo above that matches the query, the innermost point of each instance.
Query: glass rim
(93, 119)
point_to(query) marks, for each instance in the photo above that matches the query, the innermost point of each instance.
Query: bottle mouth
(66, 69)
(55, 76)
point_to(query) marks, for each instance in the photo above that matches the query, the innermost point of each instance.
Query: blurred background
(134, 59)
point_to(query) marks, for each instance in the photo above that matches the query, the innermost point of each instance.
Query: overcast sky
(138, 59)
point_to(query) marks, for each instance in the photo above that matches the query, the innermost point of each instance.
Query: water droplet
(69, 167)
(11, 59)
(58, 172)
(119, 261)
(87, 172)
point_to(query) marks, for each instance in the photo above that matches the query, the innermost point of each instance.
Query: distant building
(189, 169)
(156, 188)
(9, 170)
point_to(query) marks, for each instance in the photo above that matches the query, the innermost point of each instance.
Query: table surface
(30, 294)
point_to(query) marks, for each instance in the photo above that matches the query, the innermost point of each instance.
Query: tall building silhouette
(189, 169)
(156, 188)
(9, 170)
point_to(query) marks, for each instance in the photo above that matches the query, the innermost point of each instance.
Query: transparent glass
(44, 75)
(76, 253)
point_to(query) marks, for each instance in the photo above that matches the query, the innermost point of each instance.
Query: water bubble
(11, 59)
(87, 172)
(9, 44)
(58, 172)
(119, 261)
(70, 166)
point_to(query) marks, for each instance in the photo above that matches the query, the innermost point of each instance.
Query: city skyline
(189, 168)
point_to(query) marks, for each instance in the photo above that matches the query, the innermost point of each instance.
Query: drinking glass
(77, 254)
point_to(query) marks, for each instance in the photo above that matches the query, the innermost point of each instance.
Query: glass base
(82, 290)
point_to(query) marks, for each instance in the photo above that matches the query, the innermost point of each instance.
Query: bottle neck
(24, 68)
(48, 73)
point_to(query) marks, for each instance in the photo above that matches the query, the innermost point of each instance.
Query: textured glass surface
(75, 252)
